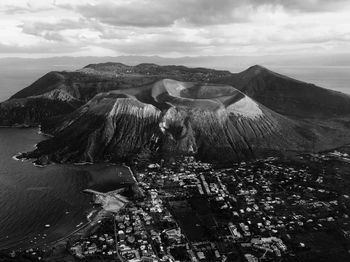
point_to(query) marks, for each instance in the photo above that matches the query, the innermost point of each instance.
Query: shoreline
(94, 219)
(91, 220)
(92, 214)
(97, 216)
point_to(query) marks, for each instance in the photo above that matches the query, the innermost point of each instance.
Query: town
(265, 210)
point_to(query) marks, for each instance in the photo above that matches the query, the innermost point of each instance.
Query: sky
(173, 28)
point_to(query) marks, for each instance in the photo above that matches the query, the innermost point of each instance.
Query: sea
(39, 205)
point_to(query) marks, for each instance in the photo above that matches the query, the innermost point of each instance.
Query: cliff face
(113, 112)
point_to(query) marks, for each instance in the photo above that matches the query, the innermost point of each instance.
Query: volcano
(113, 112)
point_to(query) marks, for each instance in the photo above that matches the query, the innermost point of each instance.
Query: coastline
(94, 218)
(93, 215)
(59, 246)
(83, 229)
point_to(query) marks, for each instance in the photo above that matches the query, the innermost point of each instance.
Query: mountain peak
(257, 69)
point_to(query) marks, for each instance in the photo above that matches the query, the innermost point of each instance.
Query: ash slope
(216, 122)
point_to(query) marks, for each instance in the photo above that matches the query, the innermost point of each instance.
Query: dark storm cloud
(162, 13)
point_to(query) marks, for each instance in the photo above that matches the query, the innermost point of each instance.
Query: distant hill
(116, 112)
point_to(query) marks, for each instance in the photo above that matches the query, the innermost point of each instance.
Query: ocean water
(31, 197)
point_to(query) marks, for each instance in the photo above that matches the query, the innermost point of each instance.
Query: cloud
(309, 5)
(56, 30)
(64, 24)
(174, 27)
(41, 28)
(163, 13)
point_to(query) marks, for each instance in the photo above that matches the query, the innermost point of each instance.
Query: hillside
(289, 96)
